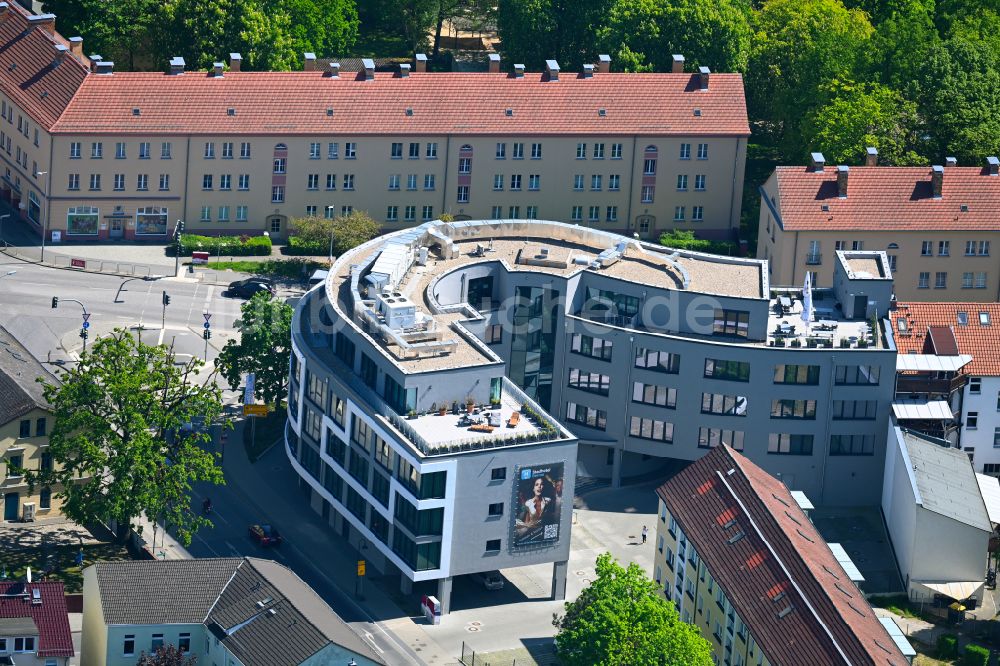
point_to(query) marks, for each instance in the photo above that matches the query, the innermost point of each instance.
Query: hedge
(231, 246)
(975, 655)
(947, 646)
(298, 246)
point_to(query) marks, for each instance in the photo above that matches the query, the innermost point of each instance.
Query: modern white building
(936, 517)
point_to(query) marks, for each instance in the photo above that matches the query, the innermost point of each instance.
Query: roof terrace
(827, 327)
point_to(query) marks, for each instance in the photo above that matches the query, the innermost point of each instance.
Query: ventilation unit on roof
(508, 112)
(136, 111)
(602, 112)
(230, 111)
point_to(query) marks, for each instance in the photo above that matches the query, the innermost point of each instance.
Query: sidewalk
(161, 544)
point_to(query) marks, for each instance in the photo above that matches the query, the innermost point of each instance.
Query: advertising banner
(538, 503)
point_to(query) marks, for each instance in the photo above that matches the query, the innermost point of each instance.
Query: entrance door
(117, 228)
(11, 506)
(274, 226)
(644, 224)
(860, 306)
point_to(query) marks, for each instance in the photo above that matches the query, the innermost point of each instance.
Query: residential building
(246, 611)
(743, 563)
(936, 517)
(25, 424)
(611, 336)
(90, 144)
(953, 388)
(936, 224)
(34, 625)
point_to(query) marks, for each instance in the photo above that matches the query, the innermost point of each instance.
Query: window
(576, 214)
(74, 181)
(392, 213)
(611, 214)
(738, 371)
(926, 249)
(497, 182)
(241, 213)
(852, 445)
(494, 334)
(709, 438)
(156, 643)
(581, 151)
(498, 474)
(74, 150)
(578, 182)
(536, 151)
(209, 151)
(411, 182)
(164, 182)
(587, 416)
(495, 509)
(313, 150)
(661, 431)
(243, 182)
(594, 213)
(206, 181)
(614, 182)
(699, 182)
(653, 394)
(414, 151)
(224, 212)
(586, 345)
(616, 151)
(95, 181)
(678, 213)
(278, 194)
(279, 165)
(226, 181)
(793, 409)
(984, 318)
(349, 182)
(227, 150)
(40, 425)
(940, 280)
(595, 182)
(119, 182)
(25, 428)
(598, 151)
(165, 150)
(144, 150)
(429, 182)
(184, 643)
(702, 151)
(726, 405)
(312, 182)
(682, 182)
(972, 421)
(410, 213)
(944, 247)
(984, 248)
(923, 281)
(332, 150)
(350, 150)
(534, 182)
(685, 151)
(493, 546)
(206, 214)
(856, 374)
(120, 150)
(734, 323)
(515, 182)
(501, 151)
(647, 194)
(427, 213)
(96, 150)
(792, 445)
(967, 278)
(660, 361)
(396, 152)
(432, 151)
(649, 166)
(796, 374)
(854, 409)
(128, 645)
(591, 382)
(996, 438)
(517, 151)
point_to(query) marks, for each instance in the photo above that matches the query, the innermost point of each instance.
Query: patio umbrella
(807, 300)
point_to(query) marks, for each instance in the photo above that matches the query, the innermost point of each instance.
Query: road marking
(208, 299)
(194, 298)
(233, 548)
(198, 537)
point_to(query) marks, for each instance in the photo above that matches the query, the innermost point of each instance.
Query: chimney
(61, 51)
(842, 172)
(950, 161)
(4, 8)
(46, 22)
(817, 162)
(518, 71)
(334, 69)
(104, 67)
(235, 61)
(494, 63)
(993, 165)
(94, 59)
(588, 71)
(218, 69)
(369, 66)
(552, 69)
(703, 73)
(678, 65)
(404, 70)
(421, 62)
(937, 180)
(308, 62)
(871, 156)
(177, 65)
(603, 63)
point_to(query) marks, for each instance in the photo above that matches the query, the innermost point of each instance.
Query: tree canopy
(167, 655)
(263, 348)
(621, 618)
(119, 445)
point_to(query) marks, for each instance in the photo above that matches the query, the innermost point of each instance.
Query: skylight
(963, 318)
(984, 318)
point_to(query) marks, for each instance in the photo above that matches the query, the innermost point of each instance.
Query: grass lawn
(924, 660)
(267, 431)
(287, 268)
(899, 605)
(62, 560)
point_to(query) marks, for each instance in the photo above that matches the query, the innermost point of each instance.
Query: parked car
(265, 535)
(247, 288)
(491, 580)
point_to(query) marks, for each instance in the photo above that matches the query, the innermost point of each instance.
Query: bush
(232, 246)
(684, 240)
(947, 646)
(300, 246)
(975, 655)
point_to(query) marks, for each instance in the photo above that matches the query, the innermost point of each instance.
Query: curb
(6, 251)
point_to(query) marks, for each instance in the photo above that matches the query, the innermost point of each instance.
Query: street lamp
(45, 222)
(329, 216)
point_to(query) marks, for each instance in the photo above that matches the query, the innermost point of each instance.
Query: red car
(265, 535)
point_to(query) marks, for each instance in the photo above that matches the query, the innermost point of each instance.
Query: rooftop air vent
(230, 111)
(409, 110)
(602, 112)
(136, 111)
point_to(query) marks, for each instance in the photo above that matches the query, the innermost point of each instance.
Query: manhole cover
(581, 572)
(477, 623)
(472, 628)
(586, 581)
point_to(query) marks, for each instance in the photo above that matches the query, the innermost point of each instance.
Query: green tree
(325, 27)
(898, 42)
(533, 31)
(119, 445)
(120, 31)
(167, 655)
(642, 35)
(263, 348)
(350, 231)
(621, 618)
(861, 115)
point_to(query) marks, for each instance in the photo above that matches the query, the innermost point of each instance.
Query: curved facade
(640, 352)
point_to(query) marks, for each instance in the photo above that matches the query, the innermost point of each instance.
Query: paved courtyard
(861, 532)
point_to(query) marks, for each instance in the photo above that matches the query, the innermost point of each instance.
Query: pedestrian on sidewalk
(645, 531)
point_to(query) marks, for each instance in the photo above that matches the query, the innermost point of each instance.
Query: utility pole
(86, 318)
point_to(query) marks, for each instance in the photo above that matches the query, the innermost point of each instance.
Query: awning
(959, 590)
(922, 409)
(931, 363)
(989, 487)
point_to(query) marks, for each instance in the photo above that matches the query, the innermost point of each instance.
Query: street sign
(207, 325)
(248, 392)
(207, 316)
(361, 567)
(86, 316)
(86, 325)
(254, 410)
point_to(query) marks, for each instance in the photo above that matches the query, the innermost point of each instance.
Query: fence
(34, 256)
(469, 658)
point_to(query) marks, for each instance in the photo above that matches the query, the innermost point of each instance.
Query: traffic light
(166, 299)
(207, 334)
(83, 333)
(55, 302)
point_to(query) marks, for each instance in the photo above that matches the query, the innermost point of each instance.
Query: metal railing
(76, 263)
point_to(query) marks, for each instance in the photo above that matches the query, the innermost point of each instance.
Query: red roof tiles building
(771, 567)
(974, 329)
(36, 611)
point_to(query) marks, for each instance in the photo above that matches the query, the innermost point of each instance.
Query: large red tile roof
(289, 103)
(885, 198)
(29, 73)
(980, 342)
(779, 551)
(54, 637)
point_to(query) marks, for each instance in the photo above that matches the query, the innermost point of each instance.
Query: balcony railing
(924, 385)
(814, 259)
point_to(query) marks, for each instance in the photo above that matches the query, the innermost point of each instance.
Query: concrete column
(405, 584)
(616, 469)
(444, 594)
(559, 580)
